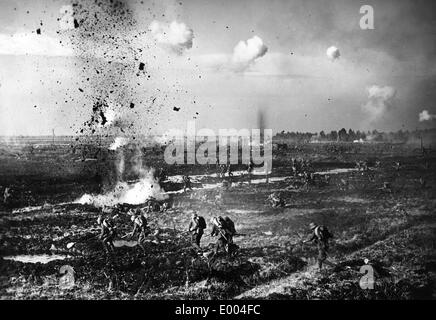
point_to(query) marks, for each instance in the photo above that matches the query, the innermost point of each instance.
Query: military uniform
(107, 234)
(140, 226)
(225, 230)
(196, 229)
(320, 236)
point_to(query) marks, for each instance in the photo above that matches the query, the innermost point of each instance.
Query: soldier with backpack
(107, 233)
(225, 230)
(320, 235)
(196, 228)
(140, 225)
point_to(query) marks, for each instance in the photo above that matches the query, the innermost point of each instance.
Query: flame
(124, 192)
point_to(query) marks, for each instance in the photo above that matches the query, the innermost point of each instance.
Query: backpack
(201, 223)
(322, 233)
(230, 226)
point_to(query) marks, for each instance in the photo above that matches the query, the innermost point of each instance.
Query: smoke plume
(119, 142)
(425, 116)
(124, 192)
(380, 100)
(247, 52)
(176, 37)
(333, 53)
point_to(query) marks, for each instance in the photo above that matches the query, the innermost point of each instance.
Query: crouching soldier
(276, 200)
(186, 183)
(196, 228)
(225, 230)
(320, 235)
(107, 234)
(140, 226)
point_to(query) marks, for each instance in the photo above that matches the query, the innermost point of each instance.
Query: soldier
(107, 235)
(165, 206)
(275, 200)
(231, 231)
(387, 186)
(140, 226)
(223, 229)
(6, 195)
(250, 170)
(186, 183)
(320, 235)
(196, 228)
(422, 182)
(229, 170)
(344, 184)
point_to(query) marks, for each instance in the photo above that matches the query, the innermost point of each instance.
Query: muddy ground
(393, 229)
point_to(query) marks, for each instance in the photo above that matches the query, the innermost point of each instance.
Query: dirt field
(394, 229)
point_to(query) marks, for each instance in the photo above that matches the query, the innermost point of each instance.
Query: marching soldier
(196, 228)
(320, 236)
(107, 234)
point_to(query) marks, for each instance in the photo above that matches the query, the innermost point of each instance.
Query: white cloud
(425, 116)
(333, 53)
(32, 44)
(380, 100)
(175, 36)
(245, 53)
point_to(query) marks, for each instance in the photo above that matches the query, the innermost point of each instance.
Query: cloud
(32, 44)
(175, 36)
(245, 53)
(380, 100)
(425, 116)
(333, 53)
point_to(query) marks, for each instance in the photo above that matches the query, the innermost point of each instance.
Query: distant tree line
(350, 135)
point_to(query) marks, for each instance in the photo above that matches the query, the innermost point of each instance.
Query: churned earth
(393, 231)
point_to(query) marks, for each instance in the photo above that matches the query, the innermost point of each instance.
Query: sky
(305, 65)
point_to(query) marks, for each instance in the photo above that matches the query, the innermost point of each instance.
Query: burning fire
(124, 192)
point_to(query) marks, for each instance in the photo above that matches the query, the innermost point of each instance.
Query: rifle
(127, 234)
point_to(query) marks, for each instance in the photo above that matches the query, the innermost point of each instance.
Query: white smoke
(425, 116)
(66, 22)
(123, 192)
(111, 115)
(119, 142)
(245, 53)
(333, 53)
(175, 36)
(380, 100)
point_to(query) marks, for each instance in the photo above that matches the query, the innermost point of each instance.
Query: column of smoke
(107, 58)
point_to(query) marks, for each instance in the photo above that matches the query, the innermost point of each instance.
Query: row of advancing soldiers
(223, 228)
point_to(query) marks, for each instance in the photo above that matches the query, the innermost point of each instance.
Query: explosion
(247, 52)
(425, 116)
(175, 36)
(124, 192)
(333, 53)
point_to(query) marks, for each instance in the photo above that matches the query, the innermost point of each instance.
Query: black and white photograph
(217, 150)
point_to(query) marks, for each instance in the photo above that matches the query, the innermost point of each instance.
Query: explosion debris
(333, 53)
